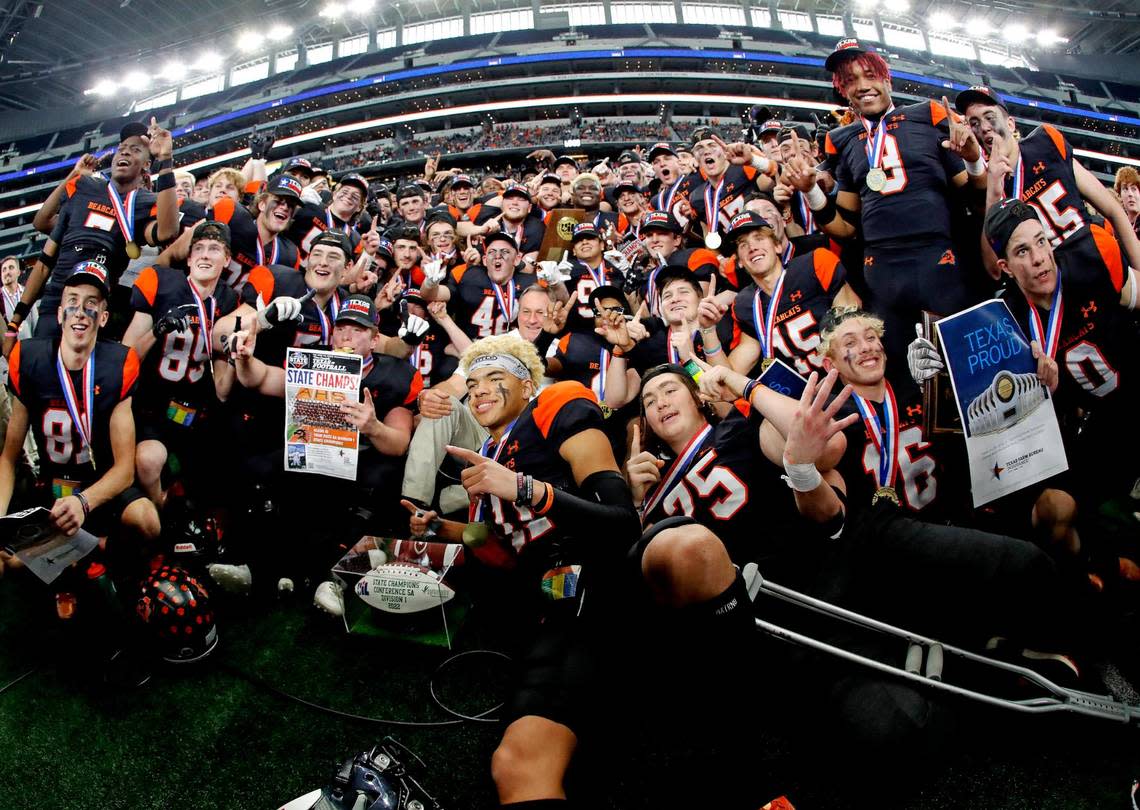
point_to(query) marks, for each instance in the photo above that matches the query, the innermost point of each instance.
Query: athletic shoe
(329, 597)
(231, 578)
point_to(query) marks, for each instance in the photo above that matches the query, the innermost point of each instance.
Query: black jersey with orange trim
(1096, 355)
(244, 242)
(34, 380)
(431, 358)
(190, 213)
(393, 383)
(1049, 184)
(310, 221)
(674, 197)
(177, 367)
(528, 233)
(811, 283)
(654, 349)
(919, 172)
(585, 280)
(267, 283)
(474, 305)
(558, 414)
(582, 355)
(87, 222)
(738, 181)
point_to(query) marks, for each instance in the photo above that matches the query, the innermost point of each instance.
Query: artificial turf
(213, 736)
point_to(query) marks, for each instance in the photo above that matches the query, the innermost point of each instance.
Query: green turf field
(206, 737)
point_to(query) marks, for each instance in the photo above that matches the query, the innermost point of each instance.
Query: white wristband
(816, 199)
(802, 477)
(976, 168)
(760, 163)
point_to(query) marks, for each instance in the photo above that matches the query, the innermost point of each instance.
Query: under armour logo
(797, 295)
(512, 448)
(913, 410)
(947, 258)
(868, 261)
(1088, 310)
(98, 390)
(1038, 167)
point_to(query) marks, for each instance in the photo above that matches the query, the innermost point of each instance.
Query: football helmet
(175, 609)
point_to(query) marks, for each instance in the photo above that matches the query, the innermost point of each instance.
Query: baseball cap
(661, 149)
(627, 157)
(211, 229)
(499, 236)
(741, 224)
(90, 272)
(438, 215)
(408, 190)
(584, 230)
(844, 49)
(771, 125)
(558, 161)
(336, 239)
(133, 130)
(550, 178)
(357, 309)
(671, 272)
(800, 130)
(285, 185)
(516, 189)
(1002, 220)
(385, 247)
(704, 134)
(462, 180)
(978, 94)
(608, 291)
(626, 185)
(660, 221)
(354, 179)
(299, 164)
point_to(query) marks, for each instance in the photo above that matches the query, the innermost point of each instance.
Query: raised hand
(434, 272)
(438, 311)
(413, 329)
(175, 319)
(643, 470)
(922, 358)
(814, 423)
(738, 153)
(800, 173)
(390, 292)
(361, 415)
(962, 140)
(484, 476)
(159, 141)
(719, 383)
(555, 320)
(710, 311)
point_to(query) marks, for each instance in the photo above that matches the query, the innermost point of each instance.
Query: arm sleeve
(605, 500)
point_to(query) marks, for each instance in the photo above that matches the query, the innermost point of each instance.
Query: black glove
(175, 320)
(259, 143)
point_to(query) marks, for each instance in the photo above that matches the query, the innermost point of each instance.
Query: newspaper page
(318, 438)
(1012, 436)
(44, 549)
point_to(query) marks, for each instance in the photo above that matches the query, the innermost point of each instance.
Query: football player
(514, 217)
(182, 379)
(310, 220)
(1043, 172)
(730, 172)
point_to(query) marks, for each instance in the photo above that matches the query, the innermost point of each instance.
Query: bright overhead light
(173, 71)
(279, 32)
(332, 10)
(360, 6)
(207, 61)
(979, 27)
(866, 5)
(250, 40)
(941, 21)
(136, 79)
(1049, 37)
(1015, 33)
(896, 6)
(106, 87)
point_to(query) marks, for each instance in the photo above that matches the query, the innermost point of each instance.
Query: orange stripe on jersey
(14, 367)
(623, 223)
(551, 400)
(937, 113)
(71, 186)
(744, 406)
(703, 256)
(415, 388)
(224, 209)
(262, 280)
(1058, 140)
(825, 263)
(130, 371)
(750, 172)
(147, 282)
(564, 343)
(828, 146)
(1110, 254)
(729, 272)
(457, 272)
(473, 211)
(736, 330)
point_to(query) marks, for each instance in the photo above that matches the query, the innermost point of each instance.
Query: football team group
(588, 418)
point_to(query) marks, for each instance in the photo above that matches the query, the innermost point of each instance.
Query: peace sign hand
(710, 311)
(420, 521)
(555, 320)
(962, 140)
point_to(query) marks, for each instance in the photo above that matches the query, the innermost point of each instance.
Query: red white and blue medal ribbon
(204, 323)
(876, 139)
(345, 227)
(712, 205)
(1048, 337)
(81, 418)
(1018, 178)
(507, 302)
(327, 323)
(786, 256)
(603, 367)
(124, 210)
(261, 252)
(483, 451)
(805, 213)
(651, 290)
(674, 357)
(366, 366)
(884, 437)
(679, 467)
(766, 324)
(666, 203)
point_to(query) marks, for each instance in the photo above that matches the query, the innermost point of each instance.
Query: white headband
(507, 362)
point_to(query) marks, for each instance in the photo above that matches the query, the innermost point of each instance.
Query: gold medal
(476, 534)
(766, 364)
(887, 493)
(876, 179)
(133, 250)
(712, 240)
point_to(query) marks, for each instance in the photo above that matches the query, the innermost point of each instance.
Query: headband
(507, 362)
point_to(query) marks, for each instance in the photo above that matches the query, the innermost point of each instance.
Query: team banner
(318, 437)
(1012, 437)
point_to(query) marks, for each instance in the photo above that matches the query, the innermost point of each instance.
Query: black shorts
(103, 519)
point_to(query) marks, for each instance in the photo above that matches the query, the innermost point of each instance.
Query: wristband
(976, 168)
(709, 352)
(543, 506)
(47, 261)
(164, 182)
(161, 165)
(802, 477)
(816, 199)
(760, 163)
(749, 387)
(21, 310)
(83, 502)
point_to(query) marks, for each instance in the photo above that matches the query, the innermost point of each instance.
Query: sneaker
(231, 578)
(329, 597)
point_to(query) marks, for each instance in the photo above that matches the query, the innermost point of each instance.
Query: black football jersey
(246, 250)
(811, 282)
(559, 413)
(178, 366)
(1044, 171)
(913, 203)
(309, 221)
(1096, 352)
(670, 198)
(528, 234)
(316, 327)
(393, 383)
(480, 307)
(430, 357)
(737, 182)
(657, 348)
(585, 280)
(585, 357)
(33, 378)
(87, 229)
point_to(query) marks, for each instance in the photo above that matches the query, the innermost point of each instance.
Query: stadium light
(1049, 37)
(979, 27)
(866, 5)
(173, 71)
(941, 21)
(106, 87)
(332, 11)
(250, 40)
(136, 80)
(896, 6)
(279, 32)
(1015, 33)
(207, 61)
(360, 6)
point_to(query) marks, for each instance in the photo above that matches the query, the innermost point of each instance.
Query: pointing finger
(635, 445)
(462, 453)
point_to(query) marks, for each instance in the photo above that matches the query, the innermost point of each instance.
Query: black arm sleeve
(605, 501)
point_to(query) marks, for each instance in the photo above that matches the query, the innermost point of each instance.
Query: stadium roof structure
(62, 53)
